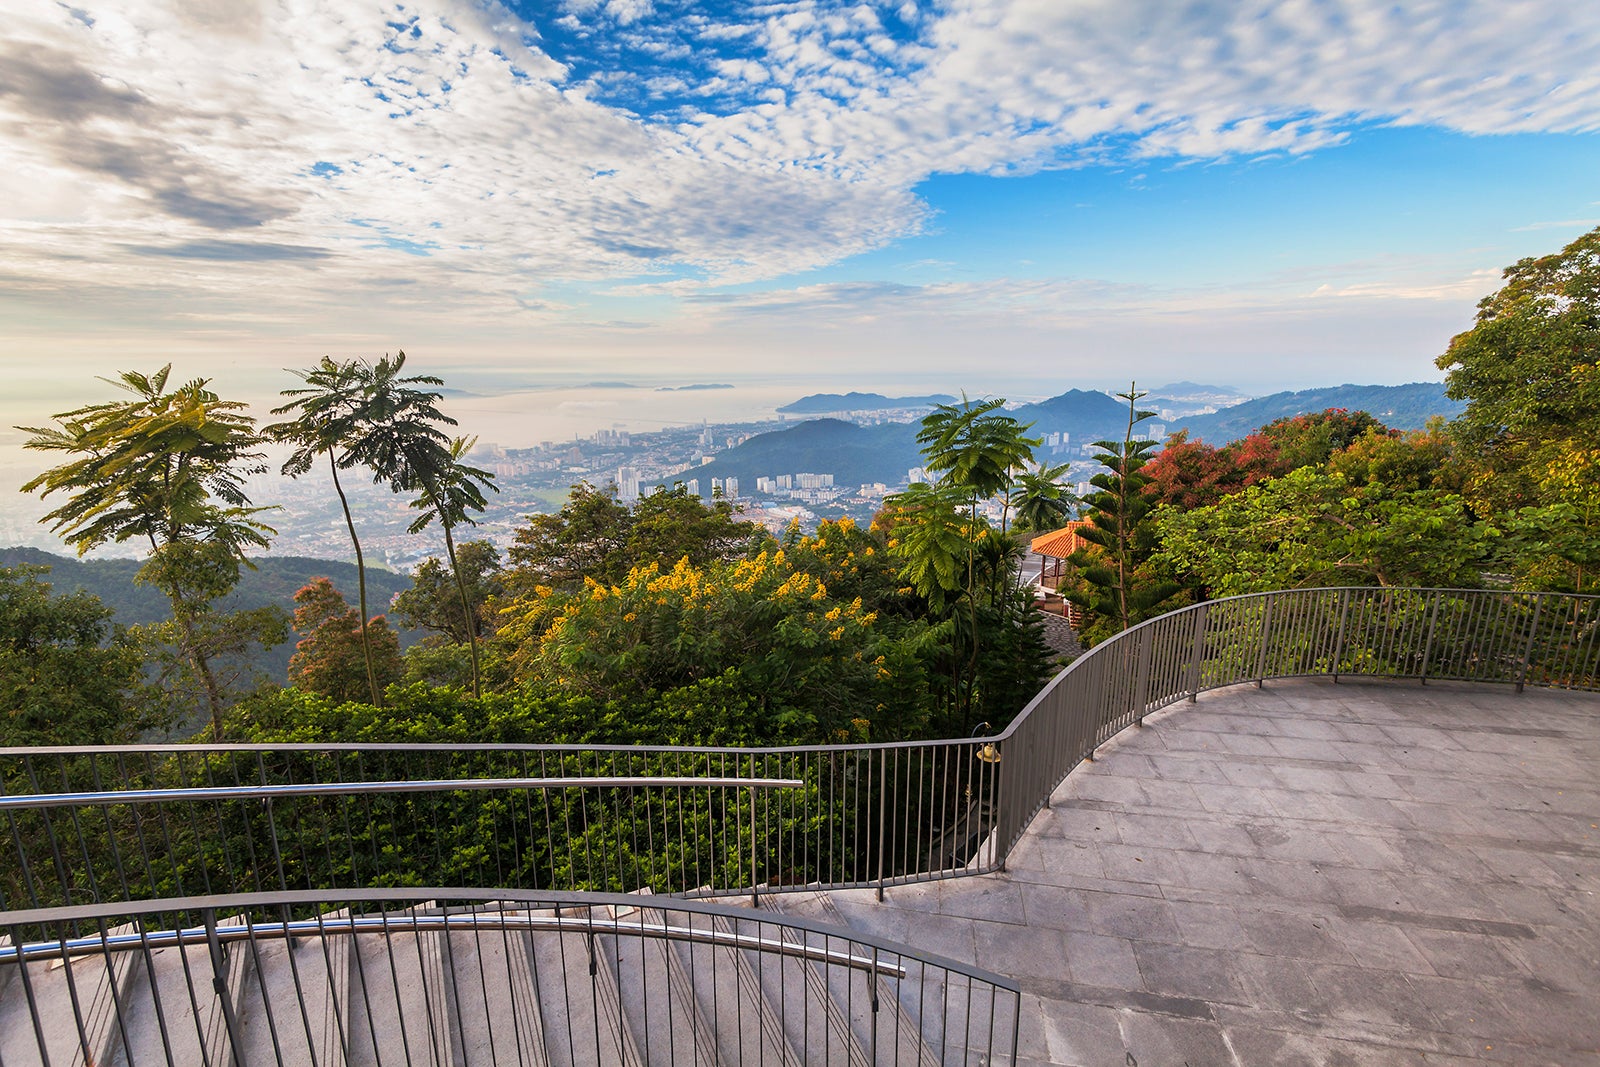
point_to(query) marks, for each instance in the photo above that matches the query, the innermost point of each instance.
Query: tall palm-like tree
(1039, 499)
(404, 447)
(976, 449)
(168, 468)
(333, 409)
(447, 489)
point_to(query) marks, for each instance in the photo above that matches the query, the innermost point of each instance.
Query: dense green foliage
(1314, 528)
(63, 678)
(167, 468)
(1529, 371)
(1115, 587)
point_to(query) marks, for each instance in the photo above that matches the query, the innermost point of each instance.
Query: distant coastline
(828, 403)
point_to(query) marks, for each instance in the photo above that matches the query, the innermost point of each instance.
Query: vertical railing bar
(1533, 633)
(1199, 650)
(18, 937)
(1427, 645)
(1338, 644)
(219, 984)
(1141, 684)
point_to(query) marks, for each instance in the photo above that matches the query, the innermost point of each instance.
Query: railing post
(1198, 662)
(1427, 644)
(1266, 635)
(219, 984)
(883, 806)
(1141, 676)
(755, 894)
(1338, 642)
(996, 856)
(1533, 635)
(873, 989)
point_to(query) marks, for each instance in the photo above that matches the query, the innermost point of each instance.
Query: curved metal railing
(708, 821)
(116, 859)
(489, 976)
(1476, 635)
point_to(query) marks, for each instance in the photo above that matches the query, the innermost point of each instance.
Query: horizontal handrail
(417, 896)
(844, 815)
(319, 789)
(97, 944)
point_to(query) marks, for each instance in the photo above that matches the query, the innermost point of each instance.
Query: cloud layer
(291, 155)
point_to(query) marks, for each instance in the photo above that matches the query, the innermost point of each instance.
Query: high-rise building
(627, 484)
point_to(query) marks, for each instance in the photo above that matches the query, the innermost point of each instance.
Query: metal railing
(231, 850)
(82, 825)
(1476, 635)
(488, 977)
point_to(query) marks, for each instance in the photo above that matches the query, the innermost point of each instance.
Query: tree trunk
(361, 582)
(466, 606)
(197, 659)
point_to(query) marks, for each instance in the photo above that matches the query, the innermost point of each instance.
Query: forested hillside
(274, 581)
(1399, 407)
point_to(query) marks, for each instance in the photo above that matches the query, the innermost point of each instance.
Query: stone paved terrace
(1310, 873)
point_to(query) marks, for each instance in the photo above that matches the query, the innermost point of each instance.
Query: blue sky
(1007, 196)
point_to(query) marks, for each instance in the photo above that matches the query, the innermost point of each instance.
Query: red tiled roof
(1059, 544)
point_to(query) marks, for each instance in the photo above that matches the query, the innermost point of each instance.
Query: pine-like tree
(1113, 592)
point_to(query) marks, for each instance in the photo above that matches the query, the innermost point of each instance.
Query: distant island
(826, 403)
(1184, 390)
(692, 388)
(608, 385)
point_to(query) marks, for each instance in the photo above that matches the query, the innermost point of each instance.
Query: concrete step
(729, 997)
(172, 1012)
(890, 1019)
(661, 1011)
(798, 990)
(99, 984)
(398, 978)
(291, 998)
(483, 994)
(494, 1002)
(578, 998)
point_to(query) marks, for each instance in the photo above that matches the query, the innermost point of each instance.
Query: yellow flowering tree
(789, 631)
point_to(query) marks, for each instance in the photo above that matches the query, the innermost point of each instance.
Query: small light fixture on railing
(986, 751)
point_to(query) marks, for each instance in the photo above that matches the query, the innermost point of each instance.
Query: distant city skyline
(796, 197)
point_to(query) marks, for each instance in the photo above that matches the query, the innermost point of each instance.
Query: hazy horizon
(1004, 196)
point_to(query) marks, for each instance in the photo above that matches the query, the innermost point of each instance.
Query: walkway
(1311, 873)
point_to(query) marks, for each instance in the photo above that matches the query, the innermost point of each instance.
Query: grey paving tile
(990, 899)
(1379, 945)
(1054, 906)
(1457, 954)
(1275, 982)
(1296, 934)
(1081, 1035)
(1309, 873)
(1188, 768)
(1154, 830)
(1161, 1039)
(1098, 960)
(1207, 925)
(1222, 873)
(1141, 863)
(1119, 915)
(1187, 971)
(1368, 995)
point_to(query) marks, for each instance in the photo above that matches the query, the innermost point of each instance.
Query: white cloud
(305, 155)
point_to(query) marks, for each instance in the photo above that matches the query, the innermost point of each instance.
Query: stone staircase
(493, 984)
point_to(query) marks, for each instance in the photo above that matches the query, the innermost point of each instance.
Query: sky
(1003, 197)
